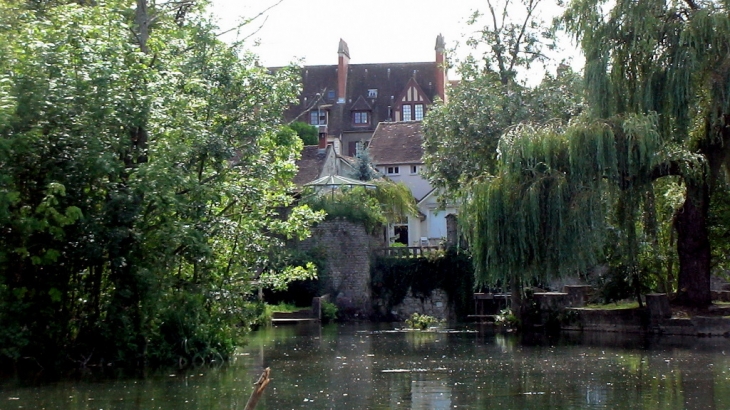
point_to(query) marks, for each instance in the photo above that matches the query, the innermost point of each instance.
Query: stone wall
(347, 247)
(437, 306)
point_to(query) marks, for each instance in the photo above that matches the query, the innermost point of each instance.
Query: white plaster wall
(418, 185)
(434, 226)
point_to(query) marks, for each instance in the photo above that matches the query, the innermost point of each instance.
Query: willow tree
(461, 138)
(671, 58)
(658, 97)
(544, 213)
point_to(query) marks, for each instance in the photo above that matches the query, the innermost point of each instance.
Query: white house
(396, 150)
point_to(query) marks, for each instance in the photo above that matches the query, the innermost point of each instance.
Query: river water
(376, 367)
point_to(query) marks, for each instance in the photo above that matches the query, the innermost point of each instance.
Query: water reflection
(436, 370)
(373, 367)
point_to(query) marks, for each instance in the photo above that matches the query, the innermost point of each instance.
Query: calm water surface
(374, 367)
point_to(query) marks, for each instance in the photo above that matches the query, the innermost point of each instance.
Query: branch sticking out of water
(258, 390)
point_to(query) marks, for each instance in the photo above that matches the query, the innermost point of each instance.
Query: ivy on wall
(450, 270)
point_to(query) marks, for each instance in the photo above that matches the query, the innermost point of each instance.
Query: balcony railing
(406, 252)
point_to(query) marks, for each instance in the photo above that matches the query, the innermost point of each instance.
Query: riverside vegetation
(142, 167)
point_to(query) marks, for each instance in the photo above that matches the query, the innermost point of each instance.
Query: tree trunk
(693, 247)
(142, 19)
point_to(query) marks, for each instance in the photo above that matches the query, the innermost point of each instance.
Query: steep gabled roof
(361, 105)
(396, 143)
(412, 83)
(389, 79)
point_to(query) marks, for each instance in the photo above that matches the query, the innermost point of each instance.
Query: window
(318, 117)
(373, 93)
(360, 117)
(331, 94)
(393, 171)
(407, 113)
(414, 169)
(419, 112)
(400, 234)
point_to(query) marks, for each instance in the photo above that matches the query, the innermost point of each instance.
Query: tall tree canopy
(140, 176)
(460, 138)
(671, 58)
(657, 81)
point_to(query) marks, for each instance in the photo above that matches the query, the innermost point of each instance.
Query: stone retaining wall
(437, 306)
(347, 247)
(655, 318)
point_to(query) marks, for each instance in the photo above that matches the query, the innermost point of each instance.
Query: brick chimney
(441, 67)
(343, 63)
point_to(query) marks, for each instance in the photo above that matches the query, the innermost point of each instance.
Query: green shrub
(285, 307)
(506, 318)
(329, 311)
(421, 322)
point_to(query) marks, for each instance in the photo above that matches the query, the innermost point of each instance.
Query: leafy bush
(506, 318)
(285, 307)
(388, 202)
(421, 322)
(329, 311)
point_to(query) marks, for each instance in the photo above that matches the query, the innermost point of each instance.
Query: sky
(376, 31)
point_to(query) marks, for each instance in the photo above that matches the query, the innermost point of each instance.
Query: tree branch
(671, 168)
(692, 4)
(516, 50)
(250, 20)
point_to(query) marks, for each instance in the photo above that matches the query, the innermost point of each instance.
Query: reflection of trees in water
(698, 382)
(417, 339)
(433, 370)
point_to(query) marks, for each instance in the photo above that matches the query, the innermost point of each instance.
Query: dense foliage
(374, 206)
(637, 171)
(307, 133)
(669, 58)
(140, 177)
(451, 271)
(460, 138)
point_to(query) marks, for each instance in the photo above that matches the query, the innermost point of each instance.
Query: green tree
(307, 133)
(140, 181)
(363, 167)
(657, 79)
(669, 58)
(461, 138)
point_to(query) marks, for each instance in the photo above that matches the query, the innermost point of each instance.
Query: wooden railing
(406, 252)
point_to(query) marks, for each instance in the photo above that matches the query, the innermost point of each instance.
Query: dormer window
(360, 117)
(373, 93)
(411, 103)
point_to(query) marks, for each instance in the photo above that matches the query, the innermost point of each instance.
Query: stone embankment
(656, 317)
